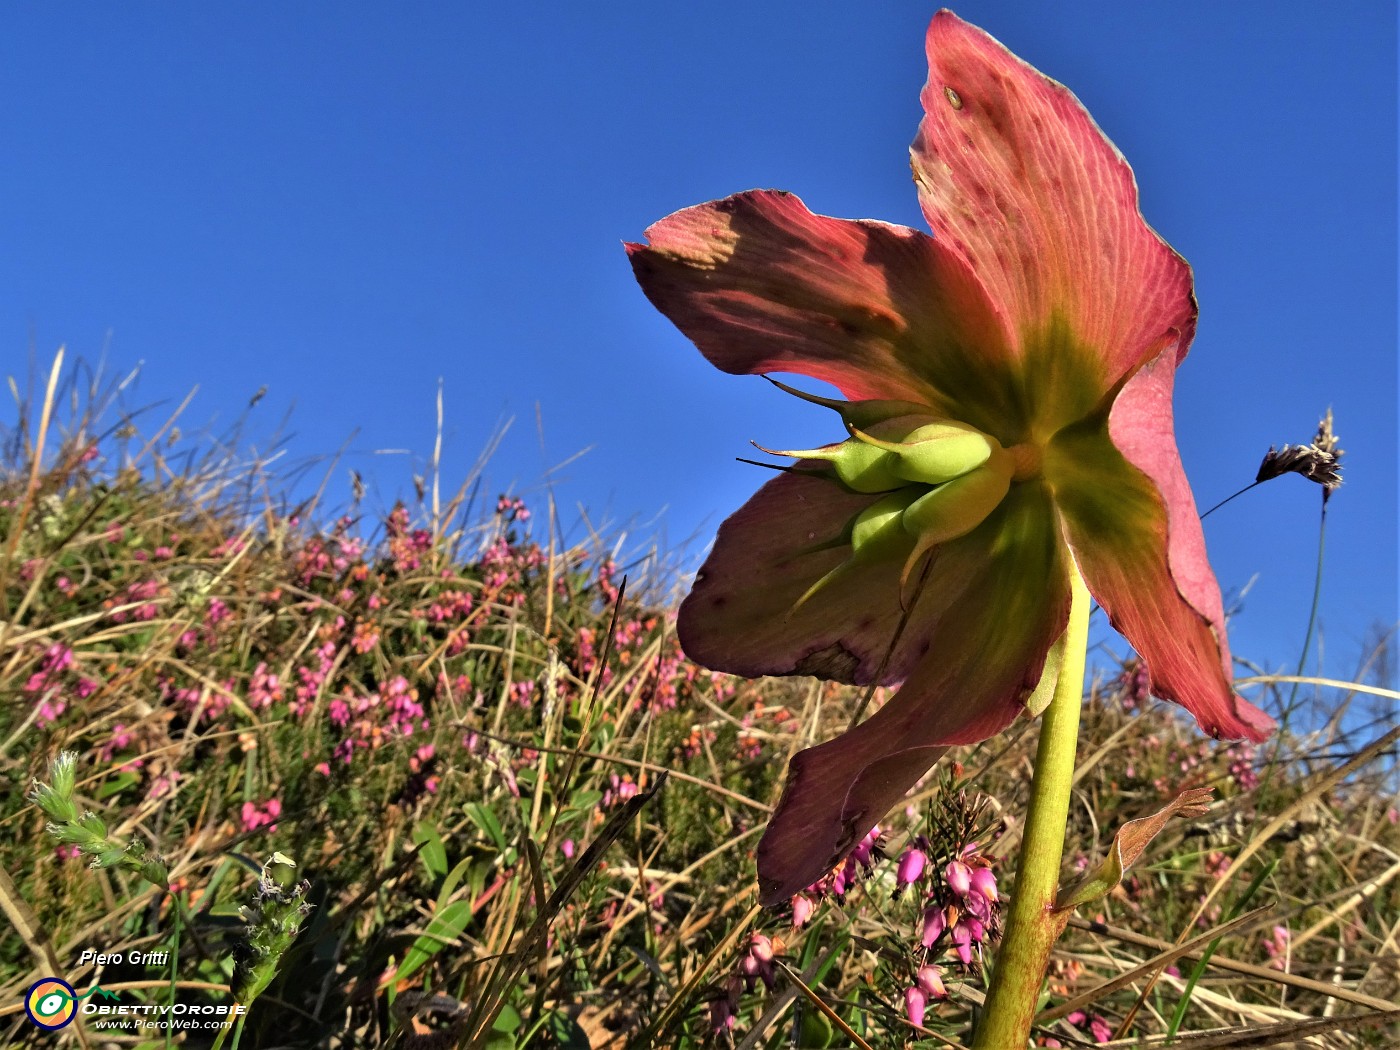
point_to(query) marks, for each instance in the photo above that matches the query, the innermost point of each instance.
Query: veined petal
(742, 615)
(1017, 180)
(761, 284)
(1132, 523)
(1002, 600)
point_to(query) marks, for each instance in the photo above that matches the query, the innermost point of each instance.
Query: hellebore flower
(1009, 420)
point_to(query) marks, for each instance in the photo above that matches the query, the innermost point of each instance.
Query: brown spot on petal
(954, 99)
(835, 662)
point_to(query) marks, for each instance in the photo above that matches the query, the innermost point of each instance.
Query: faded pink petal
(1019, 182)
(802, 909)
(930, 980)
(1131, 520)
(984, 883)
(738, 617)
(988, 648)
(761, 284)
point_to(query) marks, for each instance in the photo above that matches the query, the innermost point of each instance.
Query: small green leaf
(503, 1032)
(484, 819)
(449, 884)
(508, 1020)
(566, 1032)
(444, 927)
(434, 853)
(817, 1030)
(583, 801)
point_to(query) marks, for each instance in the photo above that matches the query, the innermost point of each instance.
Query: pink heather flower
(365, 637)
(724, 1007)
(757, 961)
(264, 816)
(162, 785)
(49, 711)
(978, 907)
(967, 932)
(1099, 1029)
(57, 658)
(935, 922)
(120, 740)
(984, 883)
(915, 1005)
(840, 882)
(1009, 389)
(1276, 946)
(567, 848)
(868, 850)
(959, 878)
(911, 867)
(802, 909)
(264, 689)
(229, 547)
(930, 981)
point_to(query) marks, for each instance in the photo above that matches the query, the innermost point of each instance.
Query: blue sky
(346, 202)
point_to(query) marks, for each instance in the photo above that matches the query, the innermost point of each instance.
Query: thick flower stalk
(1008, 424)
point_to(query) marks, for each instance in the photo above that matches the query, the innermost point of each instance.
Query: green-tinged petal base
(996, 601)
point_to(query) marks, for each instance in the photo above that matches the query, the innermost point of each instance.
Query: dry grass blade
(1288, 1034)
(1315, 790)
(817, 1001)
(685, 995)
(510, 965)
(1193, 948)
(1169, 955)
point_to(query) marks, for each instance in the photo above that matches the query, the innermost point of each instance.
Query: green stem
(1312, 612)
(1031, 926)
(174, 962)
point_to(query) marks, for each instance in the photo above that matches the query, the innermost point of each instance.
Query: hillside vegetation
(436, 778)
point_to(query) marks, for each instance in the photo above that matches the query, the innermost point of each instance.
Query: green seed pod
(878, 529)
(957, 507)
(932, 452)
(877, 532)
(861, 467)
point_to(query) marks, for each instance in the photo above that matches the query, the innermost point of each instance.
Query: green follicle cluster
(940, 478)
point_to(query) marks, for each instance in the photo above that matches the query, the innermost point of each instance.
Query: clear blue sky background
(347, 201)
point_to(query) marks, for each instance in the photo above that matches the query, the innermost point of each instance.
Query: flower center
(1028, 458)
(937, 479)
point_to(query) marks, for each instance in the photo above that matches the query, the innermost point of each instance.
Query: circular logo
(51, 1003)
